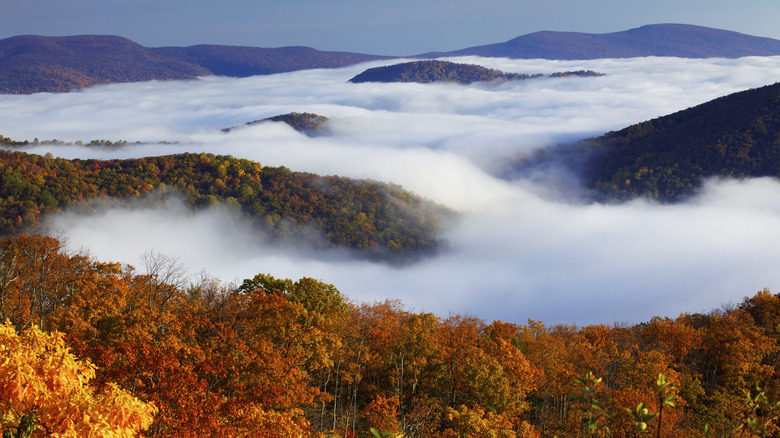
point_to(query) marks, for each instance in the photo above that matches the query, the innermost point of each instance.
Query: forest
(424, 72)
(117, 350)
(381, 221)
(34, 64)
(308, 123)
(435, 71)
(668, 158)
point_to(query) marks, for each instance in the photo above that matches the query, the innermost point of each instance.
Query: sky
(525, 246)
(398, 28)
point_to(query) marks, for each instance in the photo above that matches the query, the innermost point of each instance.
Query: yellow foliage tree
(476, 423)
(44, 392)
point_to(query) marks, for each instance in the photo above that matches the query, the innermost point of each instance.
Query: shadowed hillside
(667, 158)
(32, 64)
(308, 123)
(435, 71)
(249, 61)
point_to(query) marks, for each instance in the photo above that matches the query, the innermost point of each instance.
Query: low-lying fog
(520, 250)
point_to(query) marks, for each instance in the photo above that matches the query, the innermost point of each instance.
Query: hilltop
(32, 64)
(308, 123)
(381, 221)
(435, 71)
(678, 40)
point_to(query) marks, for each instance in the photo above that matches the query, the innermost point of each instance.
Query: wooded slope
(380, 220)
(667, 158)
(295, 359)
(32, 64)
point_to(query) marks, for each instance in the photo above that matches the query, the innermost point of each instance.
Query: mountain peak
(667, 39)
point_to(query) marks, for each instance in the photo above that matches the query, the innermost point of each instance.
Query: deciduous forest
(97, 346)
(380, 220)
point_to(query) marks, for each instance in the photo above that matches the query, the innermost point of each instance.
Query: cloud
(520, 250)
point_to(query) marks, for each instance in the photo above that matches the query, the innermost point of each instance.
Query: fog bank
(518, 251)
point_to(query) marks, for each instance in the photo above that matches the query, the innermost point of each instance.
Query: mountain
(310, 124)
(680, 40)
(435, 71)
(424, 72)
(32, 64)
(381, 221)
(237, 61)
(667, 158)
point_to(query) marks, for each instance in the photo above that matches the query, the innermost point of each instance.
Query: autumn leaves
(123, 351)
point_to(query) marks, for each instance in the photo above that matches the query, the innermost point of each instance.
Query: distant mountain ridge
(241, 61)
(428, 71)
(435, 71)
(31, 63)
(678, 40)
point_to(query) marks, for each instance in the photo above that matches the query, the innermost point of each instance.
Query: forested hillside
(237, 61)
(308, 123)
(424, 72)
(33, 64)
(435, 71)
(281, 358)
(380, 220)
(668, 157)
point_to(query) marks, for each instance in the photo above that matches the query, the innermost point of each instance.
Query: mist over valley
(525, 244)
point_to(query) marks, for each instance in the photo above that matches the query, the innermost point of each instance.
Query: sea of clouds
(520, 249)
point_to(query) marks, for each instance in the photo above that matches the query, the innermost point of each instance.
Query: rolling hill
(310, 124)
(434, 71)
(679, 40)
(32, 64)
(380, 221)
(424, 72)
(667, 158)
(237, 61)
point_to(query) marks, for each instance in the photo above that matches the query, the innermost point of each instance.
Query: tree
(44, 391)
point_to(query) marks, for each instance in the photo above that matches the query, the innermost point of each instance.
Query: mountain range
(678, 40)
(30, 63)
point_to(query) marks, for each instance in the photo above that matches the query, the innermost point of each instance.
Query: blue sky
(398, 27)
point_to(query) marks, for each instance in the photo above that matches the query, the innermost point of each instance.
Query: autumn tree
(45, 391)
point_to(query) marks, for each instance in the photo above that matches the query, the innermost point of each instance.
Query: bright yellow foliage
(39, 376)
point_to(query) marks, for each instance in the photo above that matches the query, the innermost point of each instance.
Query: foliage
(382, 221)
(44, 392)
(277, 357)
(578, 73)
(308, 123)
(594, 415)
(435, 71)
(444, 71)
(667, 158)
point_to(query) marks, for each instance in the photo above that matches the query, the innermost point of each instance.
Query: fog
(519, 250)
